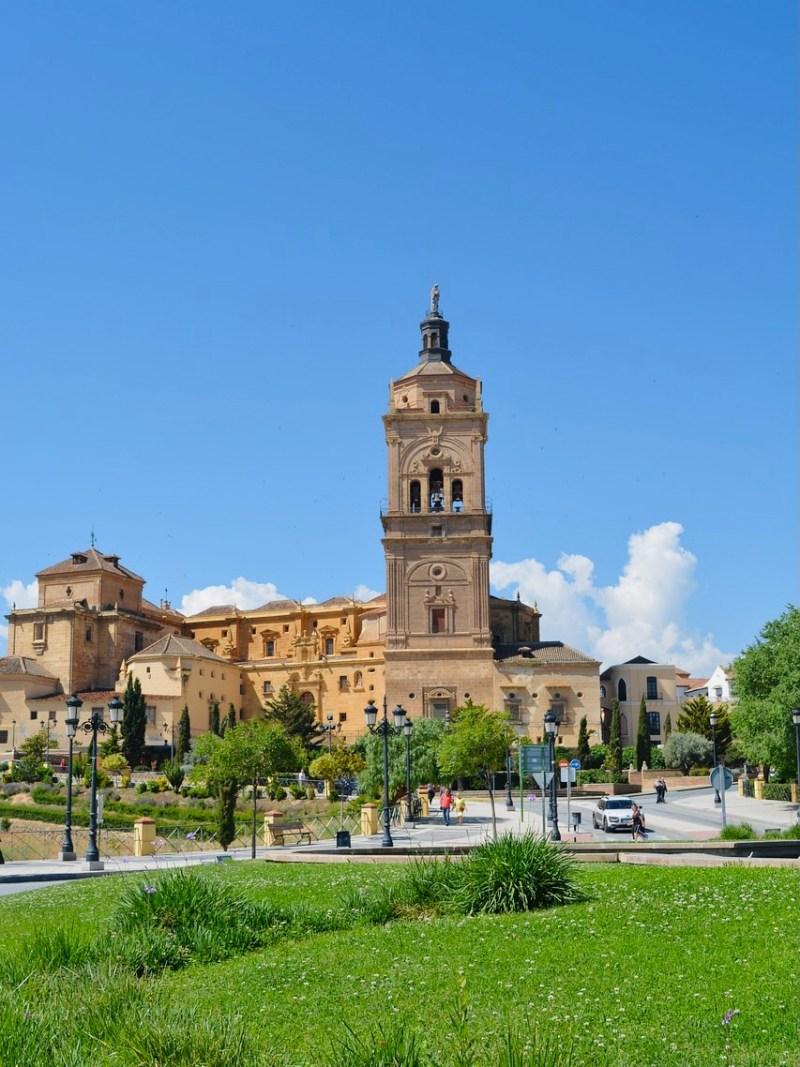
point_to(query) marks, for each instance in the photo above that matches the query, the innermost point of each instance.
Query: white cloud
(642, 613)
(364, 593)
(24, 596)
(241, 592)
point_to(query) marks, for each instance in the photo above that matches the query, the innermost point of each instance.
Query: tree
(111, 746)
(767, 687)
(476, 745)
(184, 734)
(296, 716)
(31, 765)
(215, 723)
(614, 755)
(687, 750)
(340, 762)
(667, 726)
(643, 746)
(173, 772)
(227, 794)
(426, 737)
(249, 751)
(230, 718)
(134, 722)
(695, 718)
(114, 763)
(583, 750)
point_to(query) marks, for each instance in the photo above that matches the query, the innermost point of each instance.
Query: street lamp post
(385, 730)
(796, 721)
(712, 718)
(13, 740)
(551, 727)
(94, 726)
(509, 768)
(408, 727)
(329, 727)
(719, 795)
(73, 711)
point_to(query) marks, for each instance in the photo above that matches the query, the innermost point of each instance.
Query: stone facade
(658, 683)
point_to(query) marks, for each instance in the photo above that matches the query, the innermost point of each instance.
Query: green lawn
(640, 975)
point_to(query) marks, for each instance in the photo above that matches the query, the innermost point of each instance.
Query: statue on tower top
(434, 309)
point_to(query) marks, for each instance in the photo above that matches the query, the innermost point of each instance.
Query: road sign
(542, 778)
(719, 775)
(575, 764)
(568, 774)
(532, 758)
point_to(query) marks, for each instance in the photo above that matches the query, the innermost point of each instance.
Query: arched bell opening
(414, 497)
(436, 489)
(458, 495)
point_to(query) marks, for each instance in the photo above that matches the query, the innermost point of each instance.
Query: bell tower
(437, 533)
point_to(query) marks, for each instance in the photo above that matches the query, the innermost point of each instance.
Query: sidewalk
(59, 871)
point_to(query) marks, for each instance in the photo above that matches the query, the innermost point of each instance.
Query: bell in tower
(434, 330)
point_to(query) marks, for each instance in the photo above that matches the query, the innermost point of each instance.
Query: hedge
(80, 817)
(777, 791)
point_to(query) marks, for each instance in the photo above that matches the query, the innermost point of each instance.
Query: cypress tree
(583, 751)
(134, 722)
(614, 758)
(667, 726)
(230, 718)
(214, 723)
(184, 734)
(643, 746)
(227, 794)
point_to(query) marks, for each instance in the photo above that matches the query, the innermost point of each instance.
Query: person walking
(662, 783)
(638, 823)
(460, 806)
(431, 793)
(446, 803)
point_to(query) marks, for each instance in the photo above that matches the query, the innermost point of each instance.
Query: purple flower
(191, 836)
(729, 1014)
(149, 889)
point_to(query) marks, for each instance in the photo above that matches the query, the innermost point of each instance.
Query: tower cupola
(434, 329)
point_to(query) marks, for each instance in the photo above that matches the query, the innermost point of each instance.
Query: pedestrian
(460, 806)
(638, 823)
(445, 803)
(663, 790)
(431, 793)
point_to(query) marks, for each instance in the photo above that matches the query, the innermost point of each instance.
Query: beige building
(662, 686)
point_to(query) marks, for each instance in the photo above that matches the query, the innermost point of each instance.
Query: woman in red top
(445, 803)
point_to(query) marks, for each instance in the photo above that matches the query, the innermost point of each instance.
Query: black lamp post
(796, 721)
(385, 730)
(73, 711)
(13, 740)
(509, 768)
(94, 726)
(551, 727)
(408, 727)
(329, 727)
(712, 718)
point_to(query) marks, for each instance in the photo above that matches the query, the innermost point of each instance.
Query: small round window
(437, 571)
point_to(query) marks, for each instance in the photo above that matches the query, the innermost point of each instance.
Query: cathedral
(435, 639)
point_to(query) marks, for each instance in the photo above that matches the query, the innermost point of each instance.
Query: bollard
(144, 836)
(369, 819)
(272, 819)
(424, 803)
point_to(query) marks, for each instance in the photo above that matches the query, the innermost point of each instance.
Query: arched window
(358, 681)
(434, 339)
(434, 407)
(622, 690)
(652, 688)
(623, 725)
(602, 692)
(307, 698)
(436, 490)
(458, 495)
(414, 497)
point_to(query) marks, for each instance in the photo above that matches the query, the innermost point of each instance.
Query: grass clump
(738, 832)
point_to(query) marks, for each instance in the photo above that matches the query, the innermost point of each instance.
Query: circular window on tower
(437, 571)
(436, 451)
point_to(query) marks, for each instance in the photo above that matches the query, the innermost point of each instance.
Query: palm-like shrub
(516, 874)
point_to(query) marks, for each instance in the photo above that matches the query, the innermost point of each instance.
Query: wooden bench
(280, 831)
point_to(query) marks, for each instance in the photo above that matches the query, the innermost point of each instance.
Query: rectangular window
(436, 530)
(718, 692)
(51, 715)
(88, 633)
(38, 631)
(266, 689)
(269, 648)
(329, 646)
(512, 708)
(559, 711)
(440, 709)
(34, 716)
(652, 688)
(3, 737)
(438, 620)
(151, 713)
(138, 641)
(224, 633)
(286, 629)
(654, 722)
(344, 685)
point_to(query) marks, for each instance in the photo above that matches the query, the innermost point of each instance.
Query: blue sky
(219, 227)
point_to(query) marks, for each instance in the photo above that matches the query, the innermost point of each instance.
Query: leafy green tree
(184, 734)
(643, 745)
(476, 745)
(249, 751)
(173, 772)
(340, 762)
(295, 716)
(583, 752)
(111, 745)
(31, 765)
(426, 737)
(767, 687)
(667, 726)
(215, 723)
(614, 754)
(114, 763)
(695, 718)
(134, 722)
(687, 750)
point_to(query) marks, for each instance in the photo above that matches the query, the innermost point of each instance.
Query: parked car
(613, 813)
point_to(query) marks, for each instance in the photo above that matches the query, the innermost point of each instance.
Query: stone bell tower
(437, 533)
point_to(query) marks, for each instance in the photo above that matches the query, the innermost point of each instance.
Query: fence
(17, 844)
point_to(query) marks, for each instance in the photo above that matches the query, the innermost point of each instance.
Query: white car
(613, 813)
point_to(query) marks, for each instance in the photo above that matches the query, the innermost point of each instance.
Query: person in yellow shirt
(460, 806)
